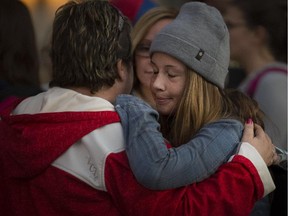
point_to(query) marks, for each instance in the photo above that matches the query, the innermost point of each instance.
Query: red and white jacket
(63, 153)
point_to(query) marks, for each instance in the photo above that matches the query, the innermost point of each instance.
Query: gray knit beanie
(199, 38)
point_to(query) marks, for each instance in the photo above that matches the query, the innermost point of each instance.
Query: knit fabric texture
(199, 38)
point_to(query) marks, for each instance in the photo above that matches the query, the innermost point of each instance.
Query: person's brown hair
(272, 15)
(88, 39)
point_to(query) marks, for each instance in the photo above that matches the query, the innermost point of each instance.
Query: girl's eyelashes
(171, 75)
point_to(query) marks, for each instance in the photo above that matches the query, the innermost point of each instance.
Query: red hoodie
(74, 163)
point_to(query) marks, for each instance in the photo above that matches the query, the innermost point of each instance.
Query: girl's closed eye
(171, 74)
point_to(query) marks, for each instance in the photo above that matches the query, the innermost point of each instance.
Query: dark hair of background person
(19, 63)
(73, 65)
(272, 15)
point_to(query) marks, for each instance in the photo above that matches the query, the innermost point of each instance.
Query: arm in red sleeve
(232, 190)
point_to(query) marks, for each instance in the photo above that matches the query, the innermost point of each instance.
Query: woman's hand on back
(256, 136)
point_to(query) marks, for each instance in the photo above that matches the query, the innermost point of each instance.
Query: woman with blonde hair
(142, 35)
(201, 120)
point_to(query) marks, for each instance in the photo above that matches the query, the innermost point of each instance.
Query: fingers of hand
(248, 132)
(274, 158)
(258, 130)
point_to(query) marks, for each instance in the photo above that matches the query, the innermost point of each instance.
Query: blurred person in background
(19, 64)
(134, 9)
(42, 15)
(258, 43)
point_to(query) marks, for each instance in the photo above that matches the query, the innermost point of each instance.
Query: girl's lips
(161, 101)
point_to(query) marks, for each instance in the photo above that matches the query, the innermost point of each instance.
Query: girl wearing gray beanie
(203, 122)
